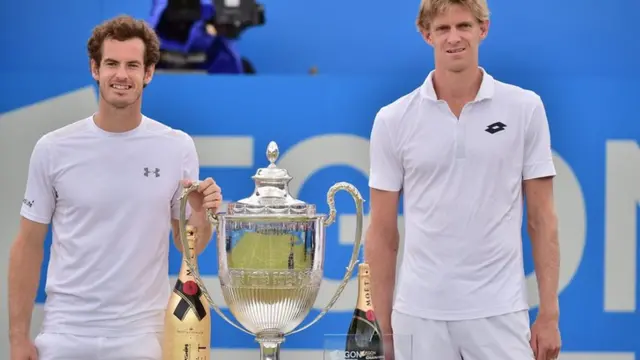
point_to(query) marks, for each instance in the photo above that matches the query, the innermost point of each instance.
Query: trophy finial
(272, 153)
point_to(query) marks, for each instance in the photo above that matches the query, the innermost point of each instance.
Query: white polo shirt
(462, 185)
(110, 198)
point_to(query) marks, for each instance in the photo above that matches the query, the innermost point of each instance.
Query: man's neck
(115, 120)
(457, 87)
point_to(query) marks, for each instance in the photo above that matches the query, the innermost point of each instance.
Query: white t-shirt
(462, 187)
(110, 198)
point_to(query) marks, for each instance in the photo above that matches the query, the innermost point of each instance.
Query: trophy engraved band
(271, 251)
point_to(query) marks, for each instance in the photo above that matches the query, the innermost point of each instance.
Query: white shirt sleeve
(386, 171)
(538, 159)
(190, 171)
(39, 201)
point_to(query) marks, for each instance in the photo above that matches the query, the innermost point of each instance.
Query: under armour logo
(156, 172)
(495, 127)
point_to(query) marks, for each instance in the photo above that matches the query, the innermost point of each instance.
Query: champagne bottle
(364, 338)
(187, 327)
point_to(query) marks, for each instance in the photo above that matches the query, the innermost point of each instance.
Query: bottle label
(371, 316)
(189, 293)
(364, 298)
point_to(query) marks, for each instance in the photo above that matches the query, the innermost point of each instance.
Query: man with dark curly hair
(109, 185)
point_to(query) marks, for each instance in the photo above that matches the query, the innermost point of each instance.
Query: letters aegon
(316, 153)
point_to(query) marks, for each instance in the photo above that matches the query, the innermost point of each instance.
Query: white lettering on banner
(224, 151)
(622, 199)
(315, 153)
(572, 226)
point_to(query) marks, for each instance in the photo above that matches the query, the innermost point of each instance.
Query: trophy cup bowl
(271, 250)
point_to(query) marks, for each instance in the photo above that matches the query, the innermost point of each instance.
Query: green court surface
(268, 252)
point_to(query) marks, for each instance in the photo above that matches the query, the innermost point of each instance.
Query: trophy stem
(270, 346)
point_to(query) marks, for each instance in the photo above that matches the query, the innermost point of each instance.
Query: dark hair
(124, 28)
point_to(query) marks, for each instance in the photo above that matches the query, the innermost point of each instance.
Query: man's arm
(25, 261)
(381, 252)
(537, 174)
(27, 250)
(386, 178)
(542, 225)
(195, 217)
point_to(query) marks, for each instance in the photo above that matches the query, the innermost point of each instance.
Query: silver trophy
(271, 250)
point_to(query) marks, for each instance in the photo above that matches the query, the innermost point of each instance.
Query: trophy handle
(355, 194)
(213, 219)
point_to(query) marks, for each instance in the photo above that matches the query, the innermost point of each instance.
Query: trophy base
(270, 345)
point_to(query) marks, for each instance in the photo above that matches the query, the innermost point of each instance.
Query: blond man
(464, 149)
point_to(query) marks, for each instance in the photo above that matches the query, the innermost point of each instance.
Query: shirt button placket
(460, 136)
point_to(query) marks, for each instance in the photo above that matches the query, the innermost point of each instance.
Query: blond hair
(429, 9)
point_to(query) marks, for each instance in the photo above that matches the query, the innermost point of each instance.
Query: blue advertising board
(322, 126)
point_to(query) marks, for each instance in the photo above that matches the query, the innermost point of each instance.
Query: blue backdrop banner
(322, 127)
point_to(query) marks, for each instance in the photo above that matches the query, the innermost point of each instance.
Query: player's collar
(486, 90)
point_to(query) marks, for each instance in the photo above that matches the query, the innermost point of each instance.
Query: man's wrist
(385, 326)
(549, 311)
(199, 219)
(18, 335)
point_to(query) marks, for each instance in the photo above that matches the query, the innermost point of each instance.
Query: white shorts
(54, 346)
(504, 337)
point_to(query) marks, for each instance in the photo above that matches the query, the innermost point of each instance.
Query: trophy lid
(271, 194)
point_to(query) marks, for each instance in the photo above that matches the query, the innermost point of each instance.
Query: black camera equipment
(177, 19)
(232, 17)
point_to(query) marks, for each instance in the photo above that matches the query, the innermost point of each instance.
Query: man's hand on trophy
(207, 197)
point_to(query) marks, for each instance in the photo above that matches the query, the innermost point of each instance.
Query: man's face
(455, 36)
(121, 72)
